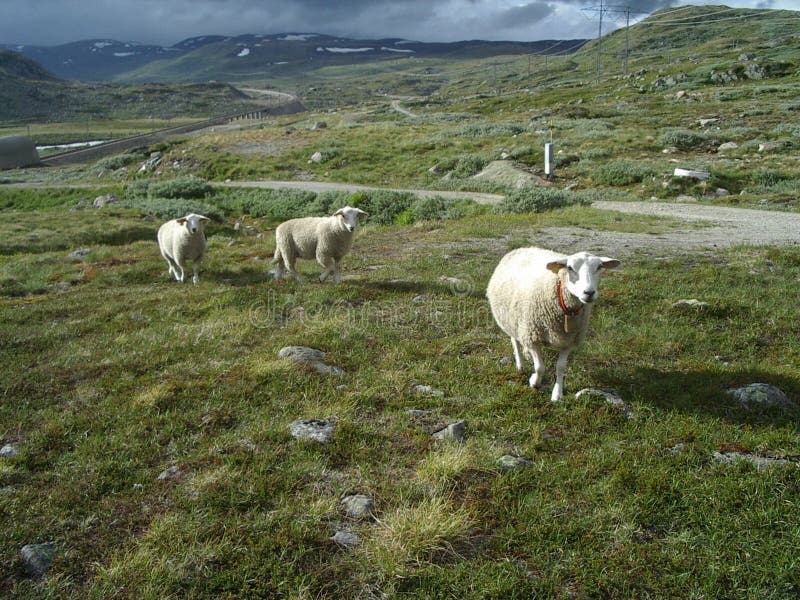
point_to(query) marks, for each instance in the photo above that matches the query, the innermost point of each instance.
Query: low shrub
(538, 199)
(622, 172)
(184, 187)
(172, 208)
(112, 163)
(683, 139)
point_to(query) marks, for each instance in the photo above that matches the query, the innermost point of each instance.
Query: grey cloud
(522, 15)
(167, 22)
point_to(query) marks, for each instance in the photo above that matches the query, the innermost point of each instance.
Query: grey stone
(760, 462)
(315, 158)
(319, 125)
(692, 302)
(419, 412)
(79, 253)
(610, 396)
(427, 390)
(455, 431)
(346, 539)
(358, 506)
(311, 357)
(762, 395)
(318, 430)
(727, 146)
(509, 463)
(8, 451)
(769, 146)
(172, 472)
(105, 200)
(37, 558)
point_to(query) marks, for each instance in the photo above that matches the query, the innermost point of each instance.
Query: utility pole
(599, 42)
(619, 10)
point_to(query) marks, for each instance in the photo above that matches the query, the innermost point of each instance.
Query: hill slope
(226, 58)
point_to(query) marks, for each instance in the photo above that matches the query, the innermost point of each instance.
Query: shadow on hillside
(240, 278)
(705, 392)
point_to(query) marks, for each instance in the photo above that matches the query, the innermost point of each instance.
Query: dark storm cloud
(169, 21)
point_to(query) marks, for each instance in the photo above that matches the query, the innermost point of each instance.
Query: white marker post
(548, 158)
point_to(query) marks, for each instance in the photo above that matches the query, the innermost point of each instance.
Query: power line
(612, 9)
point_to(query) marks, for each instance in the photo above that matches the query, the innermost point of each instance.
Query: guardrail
(80, 155)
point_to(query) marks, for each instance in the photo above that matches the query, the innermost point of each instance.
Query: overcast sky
(166, 22)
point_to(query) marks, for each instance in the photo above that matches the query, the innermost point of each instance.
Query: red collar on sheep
(567, 311)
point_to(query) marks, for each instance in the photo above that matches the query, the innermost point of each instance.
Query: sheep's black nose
(589, 294)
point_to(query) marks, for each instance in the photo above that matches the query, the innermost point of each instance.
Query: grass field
(112, 374)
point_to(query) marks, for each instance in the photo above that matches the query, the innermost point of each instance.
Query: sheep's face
(583, 273)
(193, 222)
(349, 217)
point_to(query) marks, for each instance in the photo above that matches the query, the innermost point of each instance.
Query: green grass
(123, 373)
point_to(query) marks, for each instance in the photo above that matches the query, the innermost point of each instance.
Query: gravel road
(725, 227)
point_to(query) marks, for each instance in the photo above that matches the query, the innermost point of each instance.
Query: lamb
(327, 239)
(182, 241)
(539, 297)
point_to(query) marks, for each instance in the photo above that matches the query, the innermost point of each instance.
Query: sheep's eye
(570, 269)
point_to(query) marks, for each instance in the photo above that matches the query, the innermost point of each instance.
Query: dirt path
(726, 227)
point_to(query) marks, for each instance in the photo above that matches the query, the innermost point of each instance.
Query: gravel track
(726, 227)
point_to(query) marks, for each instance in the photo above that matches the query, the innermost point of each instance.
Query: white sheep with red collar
(542, 298)
(326, 239)
(183, 241)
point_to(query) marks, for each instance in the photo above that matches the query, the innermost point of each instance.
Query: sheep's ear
(202, 218)
(609, 263)
(556, 265)
(181, 220)
(338, 212)
(362, 212)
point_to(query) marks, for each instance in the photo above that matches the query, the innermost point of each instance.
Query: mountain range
(214, 57)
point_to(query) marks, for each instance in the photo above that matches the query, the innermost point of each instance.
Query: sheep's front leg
(538, 366)
(196, 272)
(330, 267)
(561, 369)
(337, 278)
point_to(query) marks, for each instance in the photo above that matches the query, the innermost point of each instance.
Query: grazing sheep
(539, 297)
(182, 241)
(327, 239)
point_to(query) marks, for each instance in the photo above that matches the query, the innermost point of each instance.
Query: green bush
(112, 163)
(622, 172)
(486, 129)
(538, 199)
(278, 205)
(429, 209)
(172, 208)
(184, 187)
(683, 139)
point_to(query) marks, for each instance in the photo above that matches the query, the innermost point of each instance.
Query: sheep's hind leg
(517, 354)
(277, 272)
(537, 377)
(195, 272)
(561, 369)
